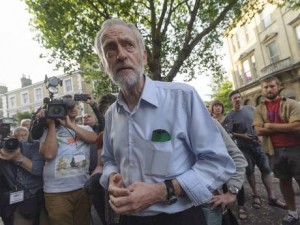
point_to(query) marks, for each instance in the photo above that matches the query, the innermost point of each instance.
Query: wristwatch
(233, 190)
(171, 197)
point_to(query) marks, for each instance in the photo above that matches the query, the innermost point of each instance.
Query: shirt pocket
(158, 158)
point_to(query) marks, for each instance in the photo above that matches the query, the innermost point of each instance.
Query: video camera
(56, 108)
(9, 144)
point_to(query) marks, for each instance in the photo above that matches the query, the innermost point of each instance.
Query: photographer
(21, 184)
(99, 115)
(66, 149)
(21, 133)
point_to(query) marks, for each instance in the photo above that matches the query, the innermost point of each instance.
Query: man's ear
(101, 65)
(145, 57)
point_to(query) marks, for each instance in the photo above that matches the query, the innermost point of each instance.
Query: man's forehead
(270, 83)
(236, 95)
(116, 31)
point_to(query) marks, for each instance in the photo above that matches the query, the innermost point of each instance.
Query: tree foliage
(23, 115)
(182, 36)
(222, 94)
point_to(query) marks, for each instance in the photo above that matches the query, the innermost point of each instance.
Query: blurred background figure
(90, 120)
(25, 123)
(21, 133)
(78, 120)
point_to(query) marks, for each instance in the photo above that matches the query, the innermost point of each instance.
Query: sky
(19, 53)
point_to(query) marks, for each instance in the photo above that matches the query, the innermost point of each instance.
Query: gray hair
(20, 129)
(112, 22)
(24, 121)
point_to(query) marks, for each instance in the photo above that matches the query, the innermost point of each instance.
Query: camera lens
(11, 144)
(56, 110)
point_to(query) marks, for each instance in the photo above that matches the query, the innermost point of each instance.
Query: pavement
(266, 215)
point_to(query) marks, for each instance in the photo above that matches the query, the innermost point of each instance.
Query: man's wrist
(171, 194)
(19, 161)
(93, 104)
(233, 190)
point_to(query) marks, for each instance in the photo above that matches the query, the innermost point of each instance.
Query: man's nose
(121, 53)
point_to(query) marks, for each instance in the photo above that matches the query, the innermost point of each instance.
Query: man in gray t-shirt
(250, 145)
(66, 150)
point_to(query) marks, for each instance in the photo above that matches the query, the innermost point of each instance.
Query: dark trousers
(192, 216)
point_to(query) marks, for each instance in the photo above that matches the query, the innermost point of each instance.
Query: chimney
(3, 89)
(25, 81)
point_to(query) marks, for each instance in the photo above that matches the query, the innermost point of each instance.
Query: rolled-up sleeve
(107, 157)
(213, 166)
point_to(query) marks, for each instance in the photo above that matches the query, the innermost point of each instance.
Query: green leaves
(222, 92)
(182, 37)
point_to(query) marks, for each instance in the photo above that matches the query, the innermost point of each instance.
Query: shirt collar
(148, 94)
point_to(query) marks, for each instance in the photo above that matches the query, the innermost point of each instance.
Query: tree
(23, 115)
(182, 36)
(222, 94)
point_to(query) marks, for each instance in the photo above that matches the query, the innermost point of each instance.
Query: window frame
(297, 32)
(66, 86)
(36, 95)
(10, 105)
(276, 56)
(266, 17)
(22, 94)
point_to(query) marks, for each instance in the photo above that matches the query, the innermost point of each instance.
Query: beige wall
(78, 86)
(281, 31)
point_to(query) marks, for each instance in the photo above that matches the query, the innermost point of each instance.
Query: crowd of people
(159, 156)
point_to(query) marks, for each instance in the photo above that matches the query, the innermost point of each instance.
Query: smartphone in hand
(81, 97)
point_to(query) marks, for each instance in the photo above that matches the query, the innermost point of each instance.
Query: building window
(247, 71)
(247, 68)
(233, 44)
(253, 66)
(266, 17)
(249, 31)
(24, 98)
(240, 38)
(240, 72)
(68, 87)
(273, 52)
(297, 29)
(12, 102)
(38, 94)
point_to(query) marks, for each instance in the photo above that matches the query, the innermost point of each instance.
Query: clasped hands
(135, 197)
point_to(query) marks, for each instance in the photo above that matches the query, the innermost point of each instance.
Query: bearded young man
(163, 155)
(277, 119)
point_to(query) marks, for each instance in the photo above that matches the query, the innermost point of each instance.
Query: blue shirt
(31, 181)
(195, 154)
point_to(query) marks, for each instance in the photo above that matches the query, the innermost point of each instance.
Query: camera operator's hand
(41, 114)
(66, 122)
(90, 100)
(15, 155)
